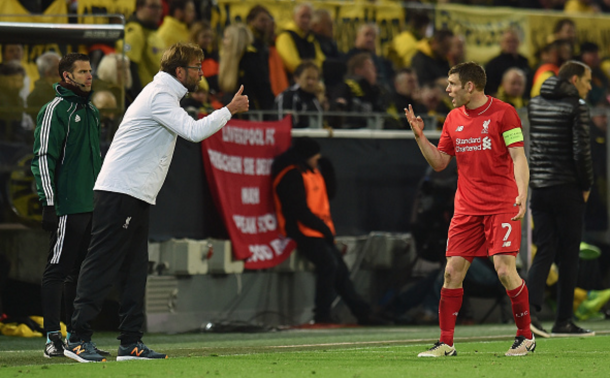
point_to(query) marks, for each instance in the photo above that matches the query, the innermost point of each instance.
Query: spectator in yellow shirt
(581, 6)
(404, 45)
(297, 43)
(176, 24)
(143, 46)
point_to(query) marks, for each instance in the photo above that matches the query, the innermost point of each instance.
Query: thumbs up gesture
(239, 103)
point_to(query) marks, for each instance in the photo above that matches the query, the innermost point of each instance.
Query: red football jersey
(479, 140)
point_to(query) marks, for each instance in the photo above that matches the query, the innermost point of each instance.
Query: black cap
(306, 147)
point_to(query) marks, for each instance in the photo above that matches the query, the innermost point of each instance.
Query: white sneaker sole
(75, 357)
(509, 354)
(430, 355)
(516, 355)
(129, 358)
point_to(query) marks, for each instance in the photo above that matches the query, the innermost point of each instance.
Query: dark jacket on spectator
(361, 97)
(560, 152)
(254, 75)
(334, 67)
(328, 47)
(402, 102)
(295, 99)
(596, 212)
(385, 72)
(428, 66)
(497, 66)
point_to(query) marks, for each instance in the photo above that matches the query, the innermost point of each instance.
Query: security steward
(303, 214)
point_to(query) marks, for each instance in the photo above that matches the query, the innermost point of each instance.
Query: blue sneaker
(99, 351)
(138, 351)
(83, 351)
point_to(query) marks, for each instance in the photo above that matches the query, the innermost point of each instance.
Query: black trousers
(332, 278)
(558, 213)
(118, 254)
(67, 249)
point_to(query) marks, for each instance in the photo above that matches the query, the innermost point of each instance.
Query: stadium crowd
(288, 68)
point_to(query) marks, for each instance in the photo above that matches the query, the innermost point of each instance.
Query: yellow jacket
(287, 48)
(405, 46)
(144, 47)
(173, 31)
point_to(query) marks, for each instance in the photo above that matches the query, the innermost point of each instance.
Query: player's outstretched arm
(522, 177)
(437, 160)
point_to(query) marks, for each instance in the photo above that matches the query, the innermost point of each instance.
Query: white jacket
(142, 149)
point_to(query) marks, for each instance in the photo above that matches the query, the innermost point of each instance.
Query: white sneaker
(439, 350)
(522, 346)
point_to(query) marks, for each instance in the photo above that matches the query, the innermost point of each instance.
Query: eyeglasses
(198, 68)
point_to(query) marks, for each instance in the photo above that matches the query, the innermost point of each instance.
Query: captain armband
(513, 136)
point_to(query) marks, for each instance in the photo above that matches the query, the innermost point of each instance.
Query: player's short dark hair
(357, 61)
(470, 71)
(255, 11)
(180, 55)
(305, 65)
(66, 64)
(571, 68)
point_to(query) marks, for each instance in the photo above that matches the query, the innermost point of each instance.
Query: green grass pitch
(346, 352)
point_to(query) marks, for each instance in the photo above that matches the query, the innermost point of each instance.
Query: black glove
(49, 218)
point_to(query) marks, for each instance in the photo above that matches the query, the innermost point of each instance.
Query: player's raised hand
(520, 202)
(416, 123)
(239, 103)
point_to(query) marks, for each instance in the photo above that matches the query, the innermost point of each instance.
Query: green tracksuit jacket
(67, 155)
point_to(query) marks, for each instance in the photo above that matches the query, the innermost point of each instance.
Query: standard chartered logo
(472, 144)
(486, 143)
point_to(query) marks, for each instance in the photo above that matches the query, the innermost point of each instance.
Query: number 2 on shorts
(510, 228)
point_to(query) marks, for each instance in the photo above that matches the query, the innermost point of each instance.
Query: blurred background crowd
(300, 60)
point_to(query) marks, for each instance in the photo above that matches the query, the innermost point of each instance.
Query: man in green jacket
(66, 163)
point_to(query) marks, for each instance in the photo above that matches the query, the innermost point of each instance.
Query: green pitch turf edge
(347, 352)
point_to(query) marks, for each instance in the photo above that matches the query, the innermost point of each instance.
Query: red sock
(448, 308)
(519, 299)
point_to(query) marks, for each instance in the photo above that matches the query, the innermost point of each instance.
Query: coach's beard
(192, 86)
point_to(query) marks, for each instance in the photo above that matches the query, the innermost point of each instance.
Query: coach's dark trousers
(558, 213)
(118, 254)
(67, 248)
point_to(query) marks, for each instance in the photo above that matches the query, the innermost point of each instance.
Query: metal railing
(319, 120)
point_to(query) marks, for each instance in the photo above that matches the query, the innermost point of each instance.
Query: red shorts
(473, 236)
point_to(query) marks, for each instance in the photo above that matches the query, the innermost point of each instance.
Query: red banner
(237, 162)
